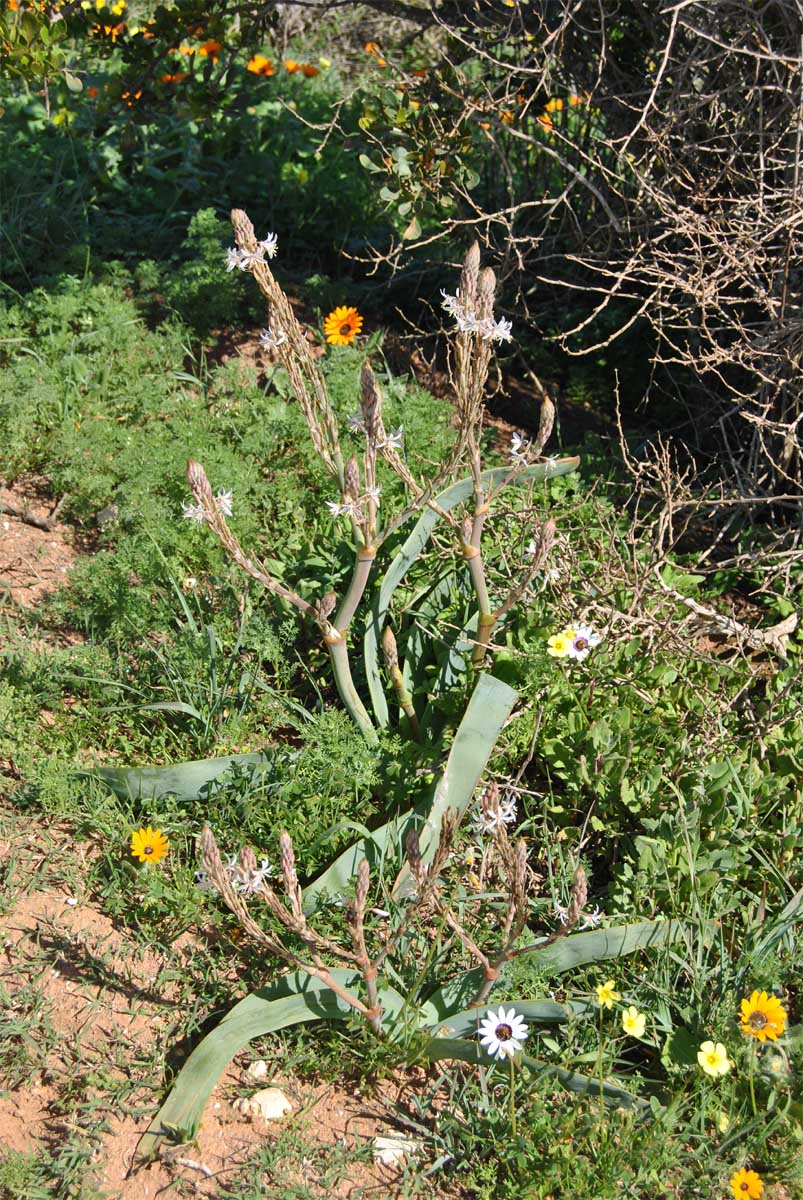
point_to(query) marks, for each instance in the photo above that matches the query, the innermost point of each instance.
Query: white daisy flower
(503, 1033)
(583, 641)
(224, 500)
(269, 245)
(193, 512)
(271, 340)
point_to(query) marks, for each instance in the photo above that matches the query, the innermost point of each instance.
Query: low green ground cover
(670, 771)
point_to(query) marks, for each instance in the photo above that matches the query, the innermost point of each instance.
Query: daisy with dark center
(746, 1185)
(149, 845)
(342, 326)
(503, 1033)
(762, 1017)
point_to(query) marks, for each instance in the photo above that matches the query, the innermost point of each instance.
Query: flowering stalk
(209, 511)
(391, 656)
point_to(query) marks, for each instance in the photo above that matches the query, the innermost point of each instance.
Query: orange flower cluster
(373, 48)
(210, 49)
(109, 31)
(292, 67)
(177, 78)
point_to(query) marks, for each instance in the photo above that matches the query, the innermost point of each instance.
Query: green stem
(359, 579)
(601, 1068)
(512, 1098)
(339, 655)
(752, 1080)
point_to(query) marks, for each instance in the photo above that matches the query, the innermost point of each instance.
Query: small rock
(271, 1104)
(107, 516)
(392, 1150)
(258, 1069)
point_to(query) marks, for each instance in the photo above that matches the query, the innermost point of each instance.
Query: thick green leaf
(537, 1012)
(188, 781)
(293, 999)
(562, 956)
(471, 1052)
(487, 711)
(409, 552)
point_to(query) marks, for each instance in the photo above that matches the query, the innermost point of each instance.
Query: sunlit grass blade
(488, 709)
(412, 548)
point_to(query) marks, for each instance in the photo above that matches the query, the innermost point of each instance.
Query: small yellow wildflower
(634, 1022)
(713, 1058)
(746, 1185)
(724, 1122)
(149, 845)
(560, 644)
(606, 994)
(325, 63)
(762, 1017)
(555, 105)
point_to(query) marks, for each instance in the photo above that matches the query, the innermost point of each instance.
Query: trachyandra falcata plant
(360, 502)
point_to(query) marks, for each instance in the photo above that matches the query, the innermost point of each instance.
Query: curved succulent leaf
(409, 552)
(293, 999)
(471, 1052)
(488, 709)
(187, 780)
(574, 951)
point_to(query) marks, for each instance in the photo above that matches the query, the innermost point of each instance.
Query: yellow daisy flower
(746, 1185)
(149, 845)
(713, 1058)
(762, 1017)
(634, 1022)
(342, 326)
(606, 994)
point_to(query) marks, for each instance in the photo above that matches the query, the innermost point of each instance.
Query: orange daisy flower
(177, 78)
(342, 326)
(291, 66)
(259, 65)
(762, 1017)
(210, 49)
(92, 92)
(309, 70)
(746, 1185)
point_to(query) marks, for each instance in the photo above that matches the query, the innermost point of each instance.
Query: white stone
(258, 1069)
(392, 1150)
(271, 1104)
